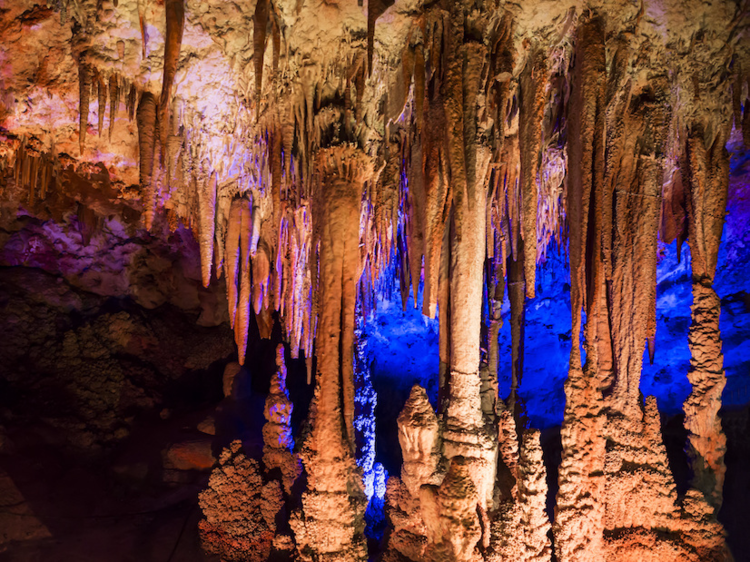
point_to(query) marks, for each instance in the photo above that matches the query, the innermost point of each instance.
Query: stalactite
(531, 112)
(276, 166)
(114, 101)
(206, 179)
(474, 153)
(175, 15)
(634, 172)
(261, 271)
(437, 190)
(242, 317)
(375, 9)
(84, 91)
(737, 95)
(746, 114)
(585, 120)
(517, 298)
(232, 255)
(260, 24)
(142, 22)
(414, 221)
(131, 102)
(276, 41)
(175, 143)
(146, 120)
(102, 101)
(674, 218)
(579, 513)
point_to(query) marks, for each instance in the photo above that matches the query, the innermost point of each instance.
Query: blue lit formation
(403, 344)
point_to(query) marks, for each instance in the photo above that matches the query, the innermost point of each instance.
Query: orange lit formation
(315, 147)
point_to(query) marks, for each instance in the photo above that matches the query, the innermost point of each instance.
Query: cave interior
(387, 280)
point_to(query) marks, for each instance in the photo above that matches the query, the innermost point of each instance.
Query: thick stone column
(331, 524)
(709, 182)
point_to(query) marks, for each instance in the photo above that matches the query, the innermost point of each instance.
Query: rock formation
(278, 441)
(322, 151)
(239, 509)
(331, 523)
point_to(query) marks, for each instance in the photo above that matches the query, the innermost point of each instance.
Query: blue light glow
(403, 345)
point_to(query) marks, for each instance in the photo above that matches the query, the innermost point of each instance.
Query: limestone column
(579, 513)
(331, 524)
(465, 432)
(709, 182)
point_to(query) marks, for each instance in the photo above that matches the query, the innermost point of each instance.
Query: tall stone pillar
(709, 182)
(330, 526)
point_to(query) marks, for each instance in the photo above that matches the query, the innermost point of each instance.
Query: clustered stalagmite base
(448, 142)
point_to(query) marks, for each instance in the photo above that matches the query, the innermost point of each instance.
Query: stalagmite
(450, 513)
(239, 508)
(175, 14)
(433, 149)
(278, 441)
(520, 532)
(418, 434)
(146, 120)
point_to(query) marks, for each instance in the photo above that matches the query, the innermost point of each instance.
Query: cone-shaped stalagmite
(278, 441)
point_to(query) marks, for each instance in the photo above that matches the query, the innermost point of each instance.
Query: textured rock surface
(277, 432)
(239, 509)
(93, 365)
(322, 150)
